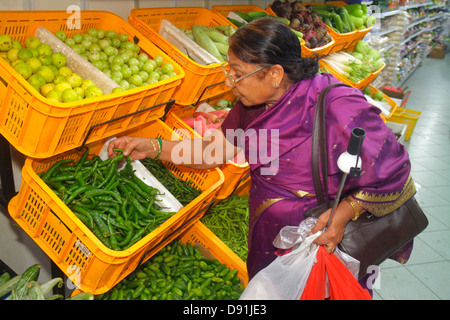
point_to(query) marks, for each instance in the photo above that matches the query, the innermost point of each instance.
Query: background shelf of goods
(404, 37)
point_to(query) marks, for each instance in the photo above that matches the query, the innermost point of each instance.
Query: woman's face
(254, 89)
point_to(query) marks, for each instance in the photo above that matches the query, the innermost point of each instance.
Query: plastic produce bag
(342, 285)
(287, 276)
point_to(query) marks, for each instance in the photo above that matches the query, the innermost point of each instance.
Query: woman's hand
(136, 148)
(333, 235)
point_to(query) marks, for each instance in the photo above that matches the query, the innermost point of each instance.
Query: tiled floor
(426, 276)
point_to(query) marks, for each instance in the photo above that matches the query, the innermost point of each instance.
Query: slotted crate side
(41, 128)
(197, 76)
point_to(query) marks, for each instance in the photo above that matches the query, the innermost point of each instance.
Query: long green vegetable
(116, 208)
(183, 190)
(228, 220)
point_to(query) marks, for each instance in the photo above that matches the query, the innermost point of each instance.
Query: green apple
(23, 69)
(87, 83)
(16, 44)
(158, 60)
(93, 91)
(70, 42)
(79, 91)
(46, 88)
(69, 95)
(45, 49)
(5, 43)
(24, 54)
(45, 60)
(75, 80)
(54, 95)
(32, 42)
(64, 71)
(12, 54)
(46, 72)
(34, 63)
(36, 80)
(118, 89)
(59, 78)
(61, 35)
(62, 86)
(58, 59)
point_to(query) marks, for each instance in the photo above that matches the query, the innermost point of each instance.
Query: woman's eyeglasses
(233, 81)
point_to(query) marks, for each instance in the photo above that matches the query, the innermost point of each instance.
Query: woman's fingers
(321, 222)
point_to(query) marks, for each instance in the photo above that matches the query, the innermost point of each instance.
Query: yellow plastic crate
(310, 53)
(223, 10)
(342, 41)
(197, 76)
(391, 102)
(198, 233)
(73, 247)
(360, 85)
(41, 128)
(233, 172)
(358, 35)
(408, 117)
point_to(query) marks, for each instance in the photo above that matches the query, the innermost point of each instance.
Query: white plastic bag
(286, 277)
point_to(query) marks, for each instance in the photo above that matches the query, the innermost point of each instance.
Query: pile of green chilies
(178, 271)
(183, 191)
(117, 207)
(228, 220)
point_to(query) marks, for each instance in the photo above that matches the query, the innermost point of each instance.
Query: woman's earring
(275, 85)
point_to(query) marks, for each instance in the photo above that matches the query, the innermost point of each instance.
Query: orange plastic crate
(197, 76)
(225, 9)
(360, 85)
(233, 172)
(73, 247)
(198, 233)
(359, 34)
(41, 128)
(310, 53)
(341, 40)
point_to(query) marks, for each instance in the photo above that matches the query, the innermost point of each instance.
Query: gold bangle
(356, 212)
(154, 149)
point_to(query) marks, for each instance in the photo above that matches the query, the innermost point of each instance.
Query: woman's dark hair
(269, 41)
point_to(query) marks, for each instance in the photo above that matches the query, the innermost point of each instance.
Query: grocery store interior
(413, 39)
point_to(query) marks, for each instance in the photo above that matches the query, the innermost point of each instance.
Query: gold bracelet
(154, 149)
(356, 212)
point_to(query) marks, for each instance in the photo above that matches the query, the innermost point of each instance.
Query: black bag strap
(319, 147)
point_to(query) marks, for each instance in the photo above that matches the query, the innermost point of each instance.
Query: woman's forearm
(198, 153)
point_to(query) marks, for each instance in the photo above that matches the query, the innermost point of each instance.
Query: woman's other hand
(136, 148)
(333, 235)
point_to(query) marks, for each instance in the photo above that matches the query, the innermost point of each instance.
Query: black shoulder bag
(369, 239)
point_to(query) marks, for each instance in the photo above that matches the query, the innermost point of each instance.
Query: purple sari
(282, 185)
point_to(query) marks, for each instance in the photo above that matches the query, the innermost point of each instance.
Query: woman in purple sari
(272, 121)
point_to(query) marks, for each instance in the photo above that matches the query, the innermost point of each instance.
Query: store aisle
(427, 274)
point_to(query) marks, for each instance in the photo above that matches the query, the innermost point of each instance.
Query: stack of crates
(48, 131)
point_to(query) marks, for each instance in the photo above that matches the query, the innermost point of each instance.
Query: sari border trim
(263, 206)
(381, 205)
